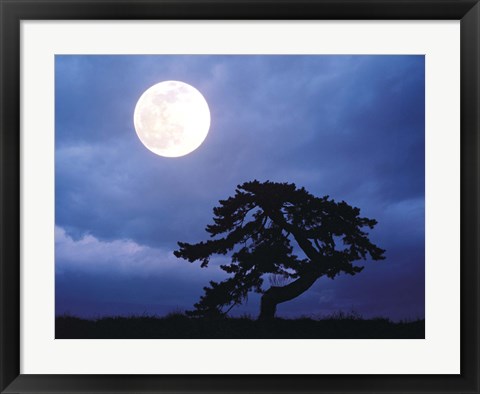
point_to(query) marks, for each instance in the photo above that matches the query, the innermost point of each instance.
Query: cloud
(120, 256)
(90, 254)
(121, 277)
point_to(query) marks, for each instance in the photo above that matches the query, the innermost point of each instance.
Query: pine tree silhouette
(258, 227)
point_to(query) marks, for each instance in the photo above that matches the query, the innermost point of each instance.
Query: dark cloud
(351, 127)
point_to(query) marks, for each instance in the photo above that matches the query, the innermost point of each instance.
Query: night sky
(351, 127)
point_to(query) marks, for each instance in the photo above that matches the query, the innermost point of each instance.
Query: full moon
(172, 118)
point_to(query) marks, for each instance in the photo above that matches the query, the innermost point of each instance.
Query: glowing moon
(172, 118)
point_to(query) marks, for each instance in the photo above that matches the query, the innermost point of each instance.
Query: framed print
(239, 197)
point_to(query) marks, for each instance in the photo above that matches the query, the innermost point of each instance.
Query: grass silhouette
(179, 326)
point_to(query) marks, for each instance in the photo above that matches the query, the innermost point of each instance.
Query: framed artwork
(194, 195)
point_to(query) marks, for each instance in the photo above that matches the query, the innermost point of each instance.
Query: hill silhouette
(180, 326)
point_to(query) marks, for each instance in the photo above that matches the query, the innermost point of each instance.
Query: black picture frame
(13, 11)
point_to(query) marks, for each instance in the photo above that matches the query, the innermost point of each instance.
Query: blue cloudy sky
(351, 127)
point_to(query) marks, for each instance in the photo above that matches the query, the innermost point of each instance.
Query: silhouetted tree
(257, 227)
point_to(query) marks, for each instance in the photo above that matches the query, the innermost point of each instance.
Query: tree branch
(302, 241)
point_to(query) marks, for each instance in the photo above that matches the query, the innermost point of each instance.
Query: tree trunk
(276, 295)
